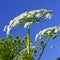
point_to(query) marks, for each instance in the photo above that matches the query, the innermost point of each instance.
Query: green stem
(43, 49)
(28, 40)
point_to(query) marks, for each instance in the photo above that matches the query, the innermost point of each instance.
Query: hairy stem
(43, 49)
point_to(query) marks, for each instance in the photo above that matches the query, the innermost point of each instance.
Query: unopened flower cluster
(47, 31)
(28, 18)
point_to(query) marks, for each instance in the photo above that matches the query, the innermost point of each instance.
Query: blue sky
(12, 8)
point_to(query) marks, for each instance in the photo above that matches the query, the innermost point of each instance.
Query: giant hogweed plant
(26, 19)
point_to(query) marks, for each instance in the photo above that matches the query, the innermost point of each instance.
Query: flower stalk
(43, 49)
(28, 40)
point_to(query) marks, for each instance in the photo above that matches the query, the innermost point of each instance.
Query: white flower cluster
(26, 24)
(28, 18)
(47, 31)
(48, 16)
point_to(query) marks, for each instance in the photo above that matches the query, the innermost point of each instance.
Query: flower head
(49, 32)
(28, 18)
(48, 15)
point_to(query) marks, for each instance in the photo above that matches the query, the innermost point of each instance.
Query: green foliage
(16, 49)
(23, 55)
(8, 48)
(24, 41)
(58, 58)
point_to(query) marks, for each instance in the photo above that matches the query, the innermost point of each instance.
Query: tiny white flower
(32, 12)
(12, 21)
(38, 11)
(38, 15)
(40, 32)
(26, 24)
(13, 25)
(43, 31)
(37, 36)
(48, 15)
(44, 10)
(28, 16)
(5, 28)
(8, 30)
(48, 32)
(56, 30)
(23, 15)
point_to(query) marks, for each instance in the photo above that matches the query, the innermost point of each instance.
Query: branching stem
(43, 49)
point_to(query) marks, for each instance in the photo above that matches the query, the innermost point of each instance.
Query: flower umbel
(28, 18)
(48, 32)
